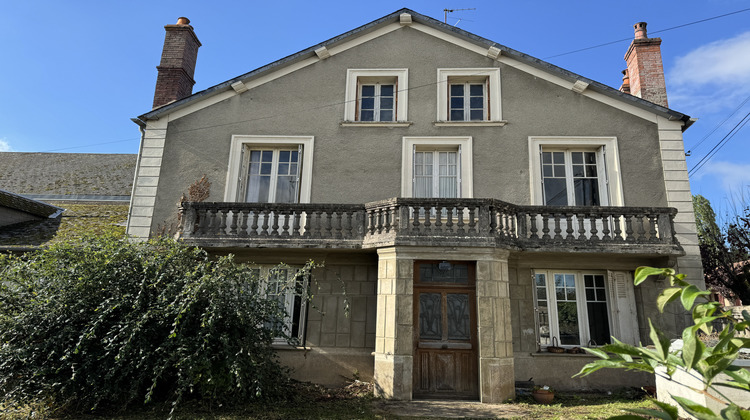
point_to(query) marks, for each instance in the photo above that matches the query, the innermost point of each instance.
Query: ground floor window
(572, 307)
(287, 285)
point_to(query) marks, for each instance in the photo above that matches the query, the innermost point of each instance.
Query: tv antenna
(446, 11)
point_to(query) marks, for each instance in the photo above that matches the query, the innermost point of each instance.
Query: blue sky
(73, 73)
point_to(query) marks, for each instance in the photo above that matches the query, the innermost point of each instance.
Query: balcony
(431, 222)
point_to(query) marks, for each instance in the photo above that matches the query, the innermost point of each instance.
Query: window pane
(457, 115)
(267, 155)
(386, 103)
(368, 103)
(367, 116)
(368, 90)
(598, 322)
(558, 158)
(577, 157)
(555, 192)
(283, 169)
(432, 273)
(567, 317)
(477, 115)
(386, 90)
(386, 115)
(457, 90)
(286, 188)
(430, 316)
(284, 155)
(457, 103)
(295, 156)
(476, 102)
(546, 157)
(476, 90)
(457, 309)
(586, 192)
(265, 168)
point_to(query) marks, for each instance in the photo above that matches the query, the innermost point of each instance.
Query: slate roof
(425, 20)
(55, 175)
(27, 205)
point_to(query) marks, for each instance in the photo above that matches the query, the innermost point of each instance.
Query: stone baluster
(581, 217)
(317, 227)
(439, 210)
(545, 226)
(606, 220)
(473, 228)
(533, 229)
(394, 225)
(329, 224)
(274, 223)
(617, 223)
(460, 223)
(449, 210)
(233, 224)
(569, 225)
(254, 224)
(296, 215)
(641, 227)
(666, 229)
(265, 214)
(285, 215)
(222, 229)
(211, 222)
(652, 228)
(415, 218)
(189, 216)
(629, 227)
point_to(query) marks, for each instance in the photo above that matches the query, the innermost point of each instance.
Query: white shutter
(624, 318)
(299, 172)
(605, 175)
(242, 175)
(459, 181)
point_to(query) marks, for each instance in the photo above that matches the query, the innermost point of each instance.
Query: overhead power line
(90, 145)
(652, 32)
(736, 110)
(711, 153)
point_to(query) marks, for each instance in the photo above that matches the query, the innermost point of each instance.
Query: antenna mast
(446, 11)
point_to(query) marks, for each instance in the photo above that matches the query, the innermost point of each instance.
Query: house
(473, 207)
(82, 192)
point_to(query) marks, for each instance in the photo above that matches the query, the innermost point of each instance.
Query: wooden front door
(445, 329)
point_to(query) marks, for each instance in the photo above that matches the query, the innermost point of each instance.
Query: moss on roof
(77, 220)
(67, 173)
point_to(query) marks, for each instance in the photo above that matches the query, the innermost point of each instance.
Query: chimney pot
(640, 30)
(183, 21)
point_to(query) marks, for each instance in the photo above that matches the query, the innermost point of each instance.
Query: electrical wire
(711, 153)
(695, 148)
(90, 145)
(651, 32)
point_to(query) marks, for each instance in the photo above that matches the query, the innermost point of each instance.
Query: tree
(724, 253)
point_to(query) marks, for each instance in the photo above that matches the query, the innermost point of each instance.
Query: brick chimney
(644, 76)
(177, 66)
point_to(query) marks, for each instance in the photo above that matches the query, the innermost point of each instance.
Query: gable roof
(437, 28)
(26, 205)
(56, 176)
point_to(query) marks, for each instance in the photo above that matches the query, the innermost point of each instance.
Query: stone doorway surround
(395, 329)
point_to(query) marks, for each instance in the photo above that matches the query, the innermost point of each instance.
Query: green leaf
(733, 412)
(666, 296)
(669, 408)
(660, 341)
(695, 409)
(692, 348)
(628, 417)
(689, 294)
(660, 414)
(746, 315)
(642, 273)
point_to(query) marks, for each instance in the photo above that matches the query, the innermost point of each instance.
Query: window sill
(285, 346)
(470, 123)
(376, 123)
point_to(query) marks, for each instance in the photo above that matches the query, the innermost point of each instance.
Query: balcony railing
(431, 222)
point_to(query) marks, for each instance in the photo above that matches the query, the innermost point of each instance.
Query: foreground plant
(108, 323)
(695, 357)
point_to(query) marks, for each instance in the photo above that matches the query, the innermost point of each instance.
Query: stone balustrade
(431, 222)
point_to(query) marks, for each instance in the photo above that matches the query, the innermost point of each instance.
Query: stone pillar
(394, 330)
(496, 374)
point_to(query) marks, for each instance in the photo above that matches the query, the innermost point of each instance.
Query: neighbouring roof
(51, 176)
(34, 207)
(436, 24)
(77, 220)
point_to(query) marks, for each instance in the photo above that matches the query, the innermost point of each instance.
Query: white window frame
(608, 164)
(583, 319)
(264, 273)
(236, 165)
(353, 82)
(464, 144)
(492, 91)
(274, 175)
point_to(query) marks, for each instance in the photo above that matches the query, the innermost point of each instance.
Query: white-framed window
(437, 167)
(269, 169)
(287, 286)
(575, 171)
(376, 95)
(584, 308)
(469, 95)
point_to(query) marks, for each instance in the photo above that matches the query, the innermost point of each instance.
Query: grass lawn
(357, 402)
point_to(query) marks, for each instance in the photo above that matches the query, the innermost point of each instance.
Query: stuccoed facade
(461, 293)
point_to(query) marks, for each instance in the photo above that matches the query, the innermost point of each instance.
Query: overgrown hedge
(107, 323)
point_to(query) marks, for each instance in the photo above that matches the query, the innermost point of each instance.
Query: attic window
(376, 96)
(469, 96)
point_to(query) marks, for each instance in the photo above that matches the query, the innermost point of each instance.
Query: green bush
(109, 323)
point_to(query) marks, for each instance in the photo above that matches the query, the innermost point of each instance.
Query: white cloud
(732, 177)
(712, 77)
(5, 146)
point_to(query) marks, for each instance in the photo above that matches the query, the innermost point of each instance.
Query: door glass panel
(596, 306)
(450, 273)
(458, 316)
(540, 281)
(430, 316)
